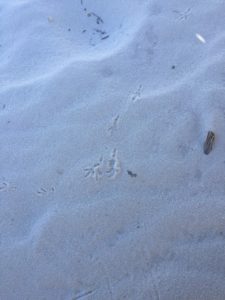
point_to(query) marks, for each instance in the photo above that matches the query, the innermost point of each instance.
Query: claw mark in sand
(3, 186)
(113, 126)
(183, 15)
(113, 165)
(109, 168)
(6, 186)
(137, 95)
(82, 295)
(43, 191)
(95, 171)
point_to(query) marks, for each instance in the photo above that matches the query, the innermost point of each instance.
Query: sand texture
(105, 190)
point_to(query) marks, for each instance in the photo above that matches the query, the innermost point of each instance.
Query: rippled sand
(105, 191)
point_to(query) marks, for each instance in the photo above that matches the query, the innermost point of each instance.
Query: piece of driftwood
(208, 145)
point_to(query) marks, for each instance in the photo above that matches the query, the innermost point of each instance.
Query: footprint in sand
(105, 167)
(136, 96)
(182, 15)
(5, 186)
(114, 124)
(45, 191)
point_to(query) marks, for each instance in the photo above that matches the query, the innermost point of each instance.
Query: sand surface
(105, 192)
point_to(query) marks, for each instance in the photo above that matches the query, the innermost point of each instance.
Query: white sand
(105, 192)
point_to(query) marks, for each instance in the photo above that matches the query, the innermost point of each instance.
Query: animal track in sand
(136, 96)
(95, 171)
(45, 191)
(83, 295)
(5, 186)
(182, 15)
(113, 126)
(108, 168)
(102, 27)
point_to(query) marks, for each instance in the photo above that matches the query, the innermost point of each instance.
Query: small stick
(209, 142)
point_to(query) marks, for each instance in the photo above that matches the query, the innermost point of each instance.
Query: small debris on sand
(209, 142)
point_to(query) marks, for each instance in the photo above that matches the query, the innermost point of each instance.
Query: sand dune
(105, 191)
